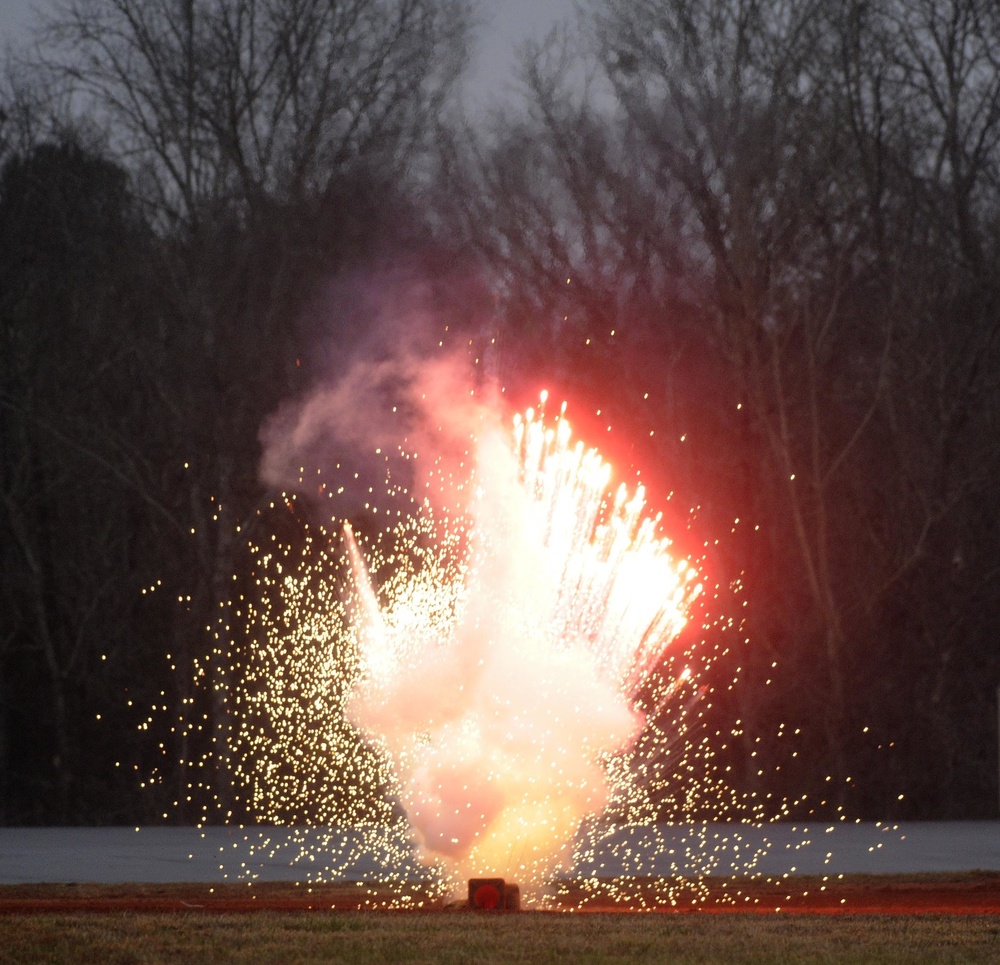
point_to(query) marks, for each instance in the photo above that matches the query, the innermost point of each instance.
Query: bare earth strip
(972, 893)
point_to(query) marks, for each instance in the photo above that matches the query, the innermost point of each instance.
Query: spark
(492, 689)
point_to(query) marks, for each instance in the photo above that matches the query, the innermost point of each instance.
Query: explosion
(499, 690)
(490, 689)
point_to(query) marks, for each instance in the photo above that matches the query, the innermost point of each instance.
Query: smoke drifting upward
(386, 412)
(391, 391)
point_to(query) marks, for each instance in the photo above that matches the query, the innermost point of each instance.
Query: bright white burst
(490, 691)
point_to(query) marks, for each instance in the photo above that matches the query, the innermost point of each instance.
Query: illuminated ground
(970, 893)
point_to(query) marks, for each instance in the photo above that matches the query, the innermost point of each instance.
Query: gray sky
(507, 24)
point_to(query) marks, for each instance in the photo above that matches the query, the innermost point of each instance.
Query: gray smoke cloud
(399, 378)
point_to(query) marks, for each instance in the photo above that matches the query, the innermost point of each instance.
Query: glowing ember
(494, 686)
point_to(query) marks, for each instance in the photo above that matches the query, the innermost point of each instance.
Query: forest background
(761, 236)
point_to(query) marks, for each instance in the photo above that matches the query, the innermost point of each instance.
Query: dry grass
(131, 928)
(359, 937)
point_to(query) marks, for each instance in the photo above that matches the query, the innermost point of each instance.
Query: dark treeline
(762, 236)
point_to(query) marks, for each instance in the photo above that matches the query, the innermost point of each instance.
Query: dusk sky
(506, 24)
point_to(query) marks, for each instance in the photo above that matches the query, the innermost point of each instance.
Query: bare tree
(220, 102)
(255, 134)
(72, 476)
(787, 204)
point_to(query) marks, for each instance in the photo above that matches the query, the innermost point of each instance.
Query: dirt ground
(974, 893)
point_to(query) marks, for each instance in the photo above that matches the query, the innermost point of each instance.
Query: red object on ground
(487, 897)
(487, 894)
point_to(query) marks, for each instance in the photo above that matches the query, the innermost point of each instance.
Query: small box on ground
(493, 894)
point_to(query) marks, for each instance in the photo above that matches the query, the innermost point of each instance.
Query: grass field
(873, 920)
(363, 937)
